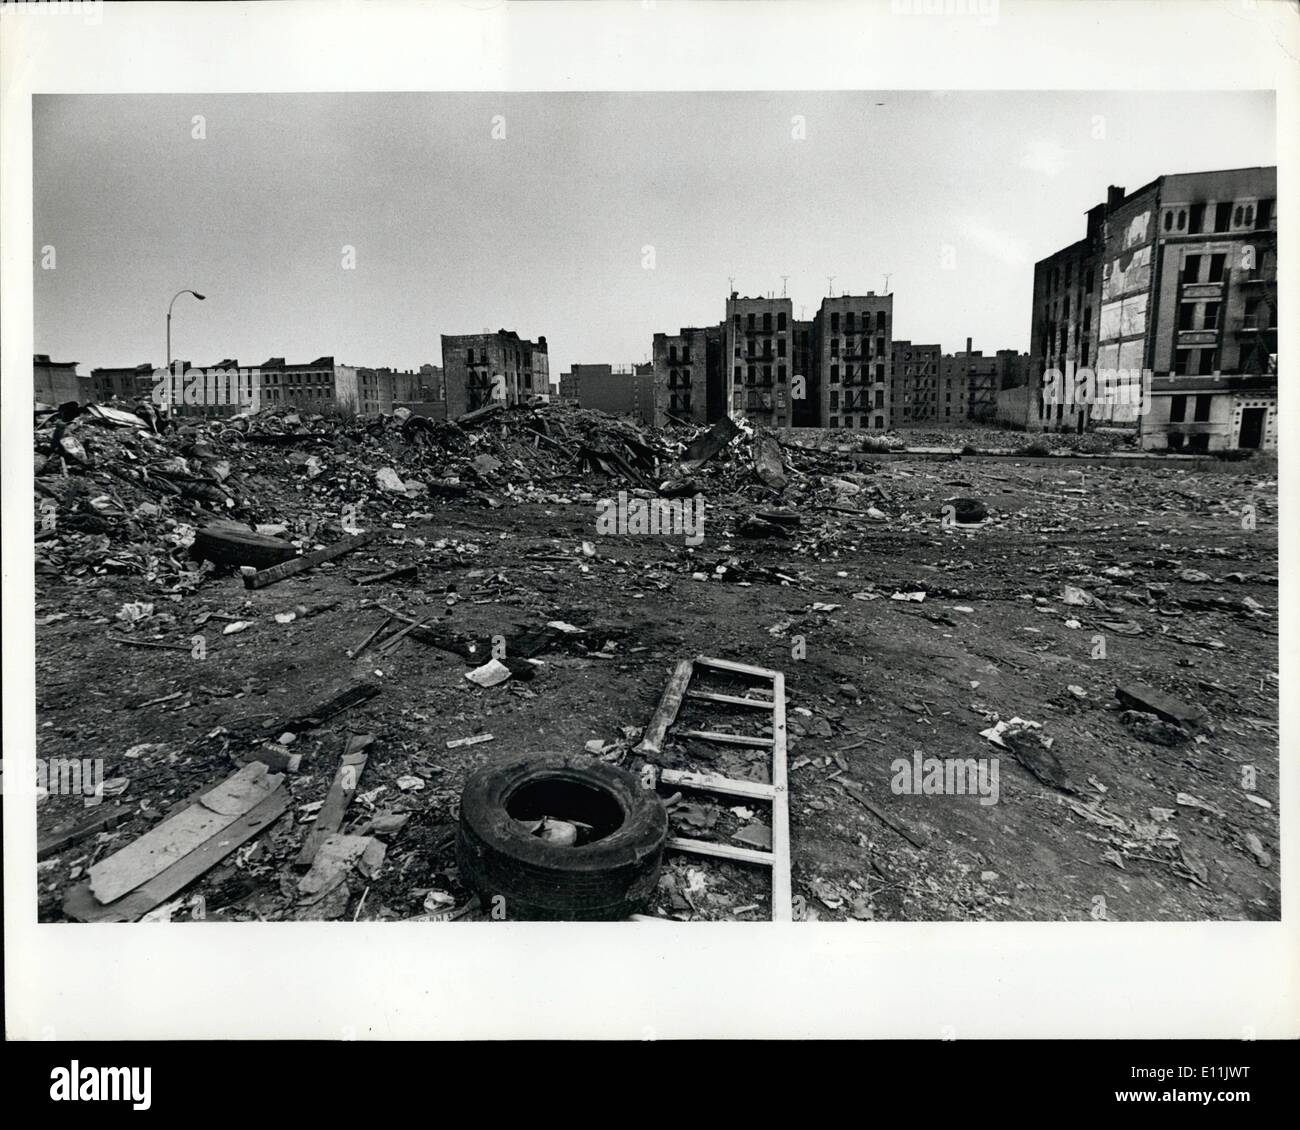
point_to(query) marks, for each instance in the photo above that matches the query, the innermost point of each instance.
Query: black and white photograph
(668, 504)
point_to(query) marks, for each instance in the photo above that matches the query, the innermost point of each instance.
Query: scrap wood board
(778, 793)
(179, 835)
(82, 906)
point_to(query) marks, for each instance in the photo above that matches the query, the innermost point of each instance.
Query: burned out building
(853, 337)
(478, 368)
(687, 376)
(1185, 271)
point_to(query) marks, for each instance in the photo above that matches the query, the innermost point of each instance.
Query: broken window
(1217, 263)
(1182, 362)
(835, 323)
(1186, 315)
(1197, 220)
(1264, 216)
(1222, 216)
(780, 321)
(1192, 269)
(1209, 361)
(880, 319)
(767, 323)
(1177, 409)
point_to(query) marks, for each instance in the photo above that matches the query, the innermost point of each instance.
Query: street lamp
(169, 320)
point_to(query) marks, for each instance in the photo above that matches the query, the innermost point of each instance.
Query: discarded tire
(519, 875)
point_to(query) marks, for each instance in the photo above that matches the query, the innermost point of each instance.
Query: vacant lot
(1082, 578)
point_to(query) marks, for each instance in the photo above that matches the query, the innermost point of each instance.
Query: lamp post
(169, 321)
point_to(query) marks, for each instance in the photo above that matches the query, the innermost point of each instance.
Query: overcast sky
(543, 231)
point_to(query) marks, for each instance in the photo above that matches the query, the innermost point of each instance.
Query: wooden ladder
(777, 793)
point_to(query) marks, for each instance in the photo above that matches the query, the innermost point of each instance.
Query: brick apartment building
(1182, 276)
(474, 365)
(129, 382)
(687, 376)
(757, 359)
(853, 337)
(914, 384)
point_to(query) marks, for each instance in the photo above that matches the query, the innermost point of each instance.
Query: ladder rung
(732, 700)
(727, 739)
(713, 783)
(720, 851)
(738, 668)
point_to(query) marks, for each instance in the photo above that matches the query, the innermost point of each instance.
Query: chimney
(968, 345)
(1114, 195)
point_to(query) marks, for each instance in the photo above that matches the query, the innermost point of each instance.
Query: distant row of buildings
(314, 385)
(1172, 290)
(840, 369)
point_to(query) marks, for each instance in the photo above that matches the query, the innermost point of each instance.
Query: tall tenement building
(476, 365)
(757, 356)
(914, 384)
(1177, 279)
(688, 376)
(853, 337)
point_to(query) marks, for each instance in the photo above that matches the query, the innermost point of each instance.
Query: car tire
(518, 875)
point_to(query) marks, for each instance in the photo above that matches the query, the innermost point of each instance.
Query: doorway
(1252, 428)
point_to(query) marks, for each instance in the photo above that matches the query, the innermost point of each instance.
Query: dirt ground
(1180, 592)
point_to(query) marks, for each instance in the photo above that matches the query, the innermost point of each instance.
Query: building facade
(853, 347)
(686, 370)
(914, 384)
(56, 382)
(478, 368)
(758, 358)
(130, 382)
(1179, 294)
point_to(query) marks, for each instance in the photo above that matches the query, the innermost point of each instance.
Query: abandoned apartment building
(479, 368)
(1177, 278)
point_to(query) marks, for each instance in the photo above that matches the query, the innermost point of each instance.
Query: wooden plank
(713, 783)
(81, 905)
(730, 699)
(782, 909)
(173, 839)
(721, 851)
(401, 634)
(670, 702)
(264, 577)
(861, 798)
(330, 817)
(736, 668)
(727, 739)
(61, 838)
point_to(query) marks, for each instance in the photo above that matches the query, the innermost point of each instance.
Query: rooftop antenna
(731, 284)
(830, 285)
(888, 276)
(784, 279)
